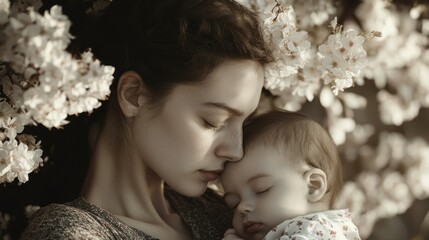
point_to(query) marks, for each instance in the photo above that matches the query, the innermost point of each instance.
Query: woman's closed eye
(213, 126)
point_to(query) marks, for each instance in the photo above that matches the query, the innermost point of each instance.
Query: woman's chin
(191, 189)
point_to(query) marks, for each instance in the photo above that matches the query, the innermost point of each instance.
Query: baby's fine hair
(300, 136)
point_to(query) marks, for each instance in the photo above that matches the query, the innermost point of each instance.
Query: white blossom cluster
(342, 57)
(19, 157)
(291, 50)
(396, 171)
(317, 12)
(41, 83)
(301, 68)
(383, 190)
(398, 61)
(339, 110)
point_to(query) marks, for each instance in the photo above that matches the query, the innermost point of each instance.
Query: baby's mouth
(252, 227)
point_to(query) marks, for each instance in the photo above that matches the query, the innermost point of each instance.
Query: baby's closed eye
(262, 185)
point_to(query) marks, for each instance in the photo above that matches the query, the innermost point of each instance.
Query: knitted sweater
(207, 218)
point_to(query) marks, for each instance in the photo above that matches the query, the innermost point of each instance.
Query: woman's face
(199, 127)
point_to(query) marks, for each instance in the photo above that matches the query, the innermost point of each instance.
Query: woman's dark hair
(173, 42)
(167, 42)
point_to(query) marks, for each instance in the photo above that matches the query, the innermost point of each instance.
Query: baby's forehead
(234, 171)
(261, 157)
(252, 164)
(236, 181)
(230, 167)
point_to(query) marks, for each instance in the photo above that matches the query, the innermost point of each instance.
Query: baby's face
(263, 189)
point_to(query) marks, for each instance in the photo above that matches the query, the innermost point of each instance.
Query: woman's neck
(120, 183)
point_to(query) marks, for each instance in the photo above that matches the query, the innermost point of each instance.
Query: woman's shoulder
(61, 221)
(77, 220)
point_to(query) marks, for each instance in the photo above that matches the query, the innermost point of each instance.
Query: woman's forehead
(237, 86)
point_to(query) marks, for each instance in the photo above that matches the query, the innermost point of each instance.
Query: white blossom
(316, 12)
(4, 11)
(327, 98)
(396, 174)
(425, 27)
(394, 110)
(292, 50)
(417, 77)
(66, 86)
(6, 111)
(30, 210)
(351, 197)
(374, 196)
(258, 6)
(289, 102)
(416, 162)
(417, 178)
(342, 58)
(358, 137)
(353, 100)
(42, 83)
(397, 198)
(375, 14)
(338, 127)
(17, 160)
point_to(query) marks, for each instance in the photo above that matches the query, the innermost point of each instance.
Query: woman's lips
(252, 227)
(210, 175)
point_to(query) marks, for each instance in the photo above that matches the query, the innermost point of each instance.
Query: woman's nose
(231, 147)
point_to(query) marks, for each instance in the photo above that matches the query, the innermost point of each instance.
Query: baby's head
(291, 167)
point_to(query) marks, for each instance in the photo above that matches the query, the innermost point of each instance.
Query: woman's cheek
(200, 138)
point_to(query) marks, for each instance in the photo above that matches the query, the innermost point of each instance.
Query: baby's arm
(231, 234)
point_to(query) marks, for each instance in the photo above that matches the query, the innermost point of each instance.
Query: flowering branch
(41, 84)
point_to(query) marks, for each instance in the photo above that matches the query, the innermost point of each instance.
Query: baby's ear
(130, 92)
(317, 184)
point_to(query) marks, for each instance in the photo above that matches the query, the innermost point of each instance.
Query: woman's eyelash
(209, 125)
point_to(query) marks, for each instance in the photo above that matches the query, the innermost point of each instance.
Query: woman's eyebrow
(224, 107)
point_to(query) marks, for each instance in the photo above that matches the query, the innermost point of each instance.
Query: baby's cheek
(237, 224)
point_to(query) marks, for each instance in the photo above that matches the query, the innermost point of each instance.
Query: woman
(188, 73)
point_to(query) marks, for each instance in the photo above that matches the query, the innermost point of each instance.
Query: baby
(285, 185)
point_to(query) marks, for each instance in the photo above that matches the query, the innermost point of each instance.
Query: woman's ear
(317, 184)
(130, 93)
